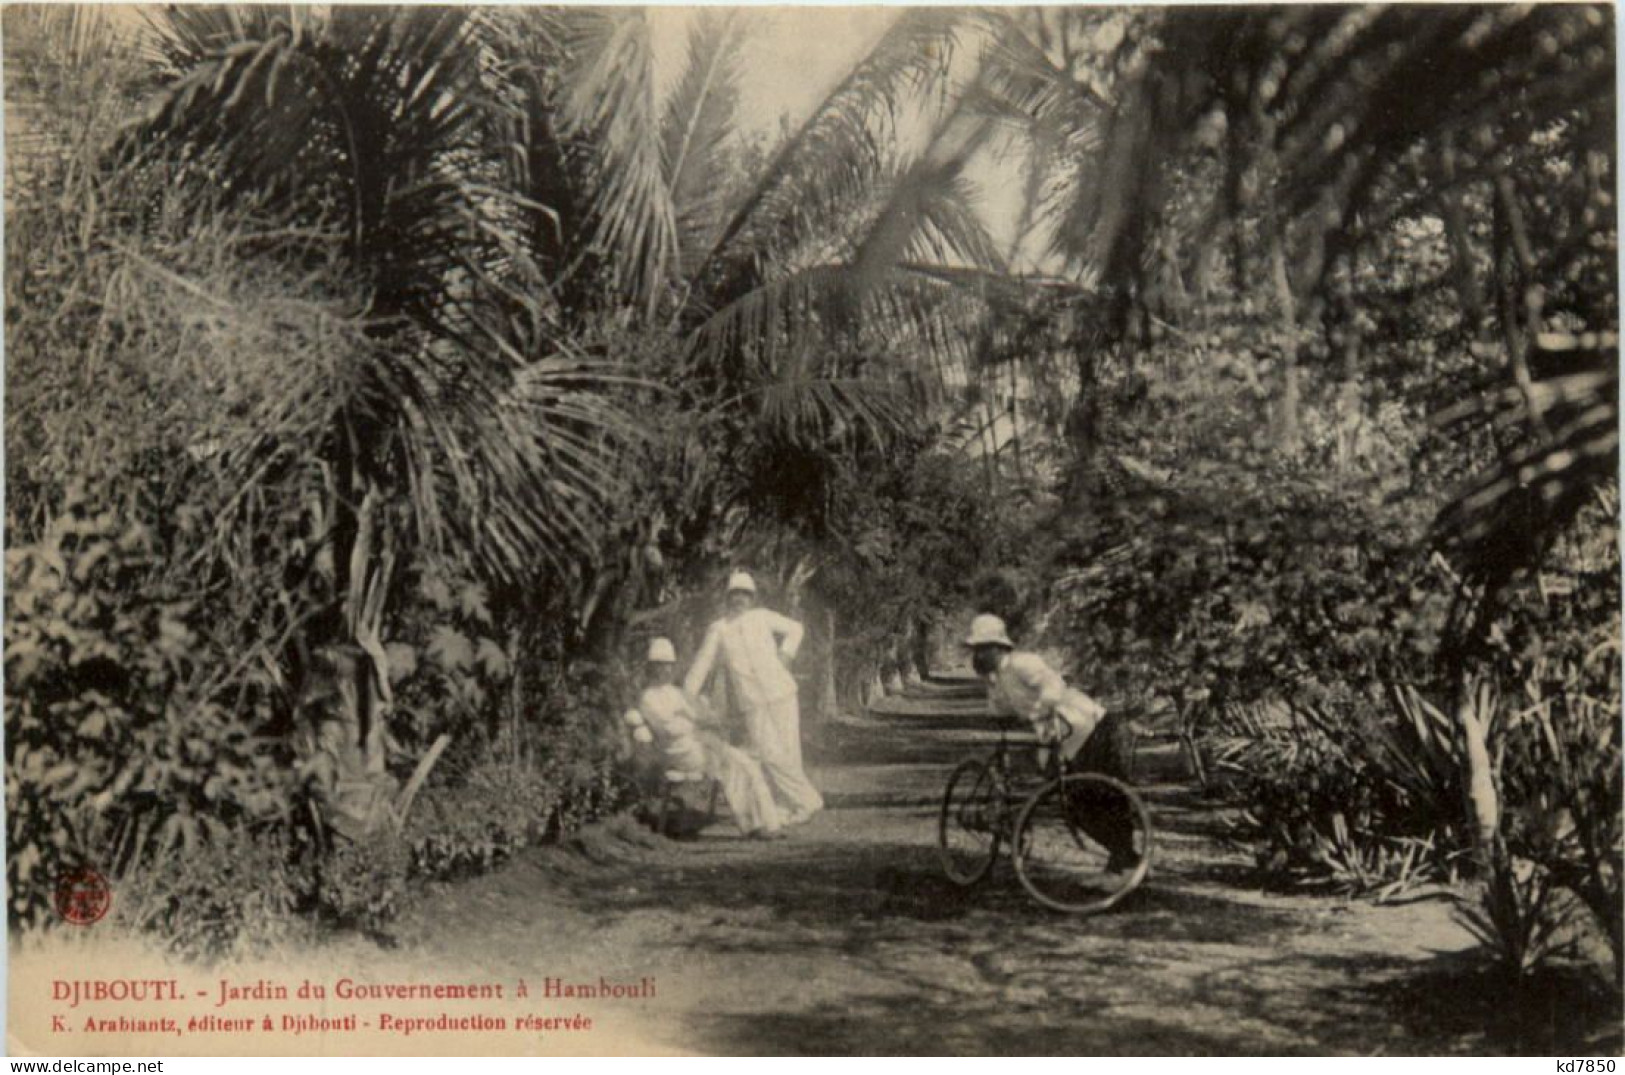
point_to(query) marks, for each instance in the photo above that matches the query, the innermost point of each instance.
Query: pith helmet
(740, 581)
(988, 630)
(662, 651)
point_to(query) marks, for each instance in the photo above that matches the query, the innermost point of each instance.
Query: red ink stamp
(83, 896)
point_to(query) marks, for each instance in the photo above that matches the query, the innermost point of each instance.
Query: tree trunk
(892, 681)
(874, 689)
(1519, 304)
(360, 794)
(1464, 269)
(921, 650)
(516, 691)
(1015, 424)
(1289, 401)
(989, 441)
(1475, 708)
(372, 562)
(830, 690)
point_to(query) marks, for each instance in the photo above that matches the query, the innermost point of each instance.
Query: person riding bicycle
(1066, 720)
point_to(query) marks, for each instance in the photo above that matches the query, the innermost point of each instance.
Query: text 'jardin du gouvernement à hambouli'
(145, 990)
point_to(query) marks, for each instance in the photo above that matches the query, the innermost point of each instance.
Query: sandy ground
(847, 938)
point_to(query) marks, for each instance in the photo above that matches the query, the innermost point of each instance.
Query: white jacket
(753, 648)
(1028, 688)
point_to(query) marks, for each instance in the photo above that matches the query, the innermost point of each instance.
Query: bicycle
(1058, 862)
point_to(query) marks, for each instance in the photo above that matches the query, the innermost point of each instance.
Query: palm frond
(609, 98)
(1567, 445)
(182, 38)
(696, 126)
(924, 215)
(366, 117)
(515, 474)
(805, 408)
(1022, 84)
(563, 437)
(545, 167)
(1308, 108)
(251, 105)
(449, 384)
(929, 213)
(765, 320)
(834, 153)
(952, 230)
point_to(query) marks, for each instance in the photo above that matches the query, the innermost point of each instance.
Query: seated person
(1065, 719)
(672, 720)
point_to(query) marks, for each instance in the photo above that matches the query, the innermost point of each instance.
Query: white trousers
(774, 729)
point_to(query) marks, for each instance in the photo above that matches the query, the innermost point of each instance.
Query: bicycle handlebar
(1066, 725)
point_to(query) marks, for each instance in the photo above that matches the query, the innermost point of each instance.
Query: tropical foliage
(377, 376)
(390, 285)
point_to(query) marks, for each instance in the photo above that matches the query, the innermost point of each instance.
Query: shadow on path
(847, 938)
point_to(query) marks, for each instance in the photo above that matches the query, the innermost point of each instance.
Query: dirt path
(846, 938)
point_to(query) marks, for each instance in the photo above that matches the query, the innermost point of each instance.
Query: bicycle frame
(1054, 766)
(998, 762)
(1005, 813)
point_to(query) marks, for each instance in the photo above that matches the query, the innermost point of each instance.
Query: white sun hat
(988, 630)
(741, 581)
(661, 650)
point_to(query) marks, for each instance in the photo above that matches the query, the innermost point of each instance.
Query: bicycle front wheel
(968, 827)
(1082, 843)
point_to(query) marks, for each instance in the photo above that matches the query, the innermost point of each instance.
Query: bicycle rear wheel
(968, 826)
(1059, 853)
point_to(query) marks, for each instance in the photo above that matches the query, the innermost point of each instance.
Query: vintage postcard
(811, 530)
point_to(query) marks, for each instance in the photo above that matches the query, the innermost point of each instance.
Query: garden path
(846, 937)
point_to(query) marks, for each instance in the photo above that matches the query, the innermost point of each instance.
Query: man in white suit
(755, 646)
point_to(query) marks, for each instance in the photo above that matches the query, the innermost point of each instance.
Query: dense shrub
(539, 778)
(119, 757)
(479, 823)
(1519, 916)
(363, 885)
(1247, 583)
(451, 669)
(918, 531)
(1561, 776)
(239, 894)
(119, 741)
(501, 808)
(1369, 793)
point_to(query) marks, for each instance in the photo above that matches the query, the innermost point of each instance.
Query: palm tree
(1315, 128)
(827, 229)
(503, 181)
(790, 285)
(448, 424)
